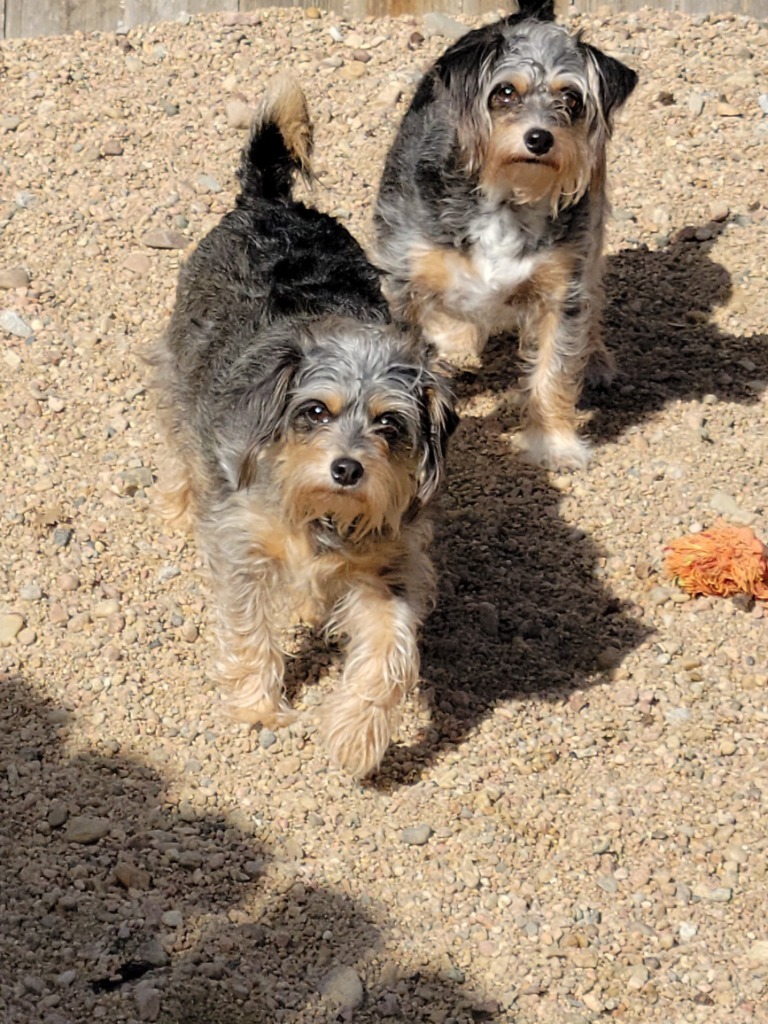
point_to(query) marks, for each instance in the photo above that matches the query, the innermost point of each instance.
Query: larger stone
(12, 323)
(14, 277)
(416, 835)
(11, 625)
(84, 829)
(344, 988)
(164, 238)
(436, 24)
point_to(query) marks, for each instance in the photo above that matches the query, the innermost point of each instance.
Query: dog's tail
(280, 143)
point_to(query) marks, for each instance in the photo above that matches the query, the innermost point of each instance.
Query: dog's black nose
(539, 140)
(346, 471)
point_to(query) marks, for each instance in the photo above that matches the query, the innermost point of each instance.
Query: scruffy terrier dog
(491, 209)
(307, 434)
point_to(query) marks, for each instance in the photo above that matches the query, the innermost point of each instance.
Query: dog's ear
(465, 70)
(265, 401)
(439, 420)
(615, 80)
(542, 10)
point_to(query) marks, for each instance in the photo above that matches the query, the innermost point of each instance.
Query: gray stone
(267, 738)
(416, 835)
(57, 813)
(207, 183)
(147, 999)
(12, 323)
(343, 987)
(436, 24)
(11, 625)
(14, 277)
(164, 238)
(696, 103)
(85, 829)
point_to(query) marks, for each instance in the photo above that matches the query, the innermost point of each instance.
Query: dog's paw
(563, 450)
(355, 733)
(268, 714)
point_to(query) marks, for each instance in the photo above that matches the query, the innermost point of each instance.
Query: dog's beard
(376, 505)
(562, 176)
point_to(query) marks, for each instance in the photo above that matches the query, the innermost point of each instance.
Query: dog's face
(355, 426)
(534, 108)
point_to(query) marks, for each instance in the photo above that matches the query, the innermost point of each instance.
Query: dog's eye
(573, 102)
(390, 425)
(316, 413)
(504, 95)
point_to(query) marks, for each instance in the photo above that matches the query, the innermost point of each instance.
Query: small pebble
(416, 835)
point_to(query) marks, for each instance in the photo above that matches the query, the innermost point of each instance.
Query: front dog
(307, 436)
(491, 209)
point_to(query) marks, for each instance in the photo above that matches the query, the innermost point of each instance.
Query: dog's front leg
(251, 662)
(555, 342)
(438, 276)
(381, 666)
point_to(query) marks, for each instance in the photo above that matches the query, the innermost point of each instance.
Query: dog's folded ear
(439, 420)
(615, 80)
(270, 372)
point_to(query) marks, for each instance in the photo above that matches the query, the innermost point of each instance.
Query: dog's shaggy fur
(492, 205)
(306, 436)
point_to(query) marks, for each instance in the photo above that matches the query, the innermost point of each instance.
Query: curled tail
(280, 143)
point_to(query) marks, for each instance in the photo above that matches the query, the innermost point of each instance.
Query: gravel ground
(572, 826)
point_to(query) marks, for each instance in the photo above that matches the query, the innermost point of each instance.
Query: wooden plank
(151, 12)
(22, 18)
(59, 17)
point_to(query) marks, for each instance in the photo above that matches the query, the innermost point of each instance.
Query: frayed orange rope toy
(719, 562)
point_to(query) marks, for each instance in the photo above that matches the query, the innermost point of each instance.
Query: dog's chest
(503, 253)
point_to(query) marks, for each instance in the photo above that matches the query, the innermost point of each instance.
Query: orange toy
(720, 562)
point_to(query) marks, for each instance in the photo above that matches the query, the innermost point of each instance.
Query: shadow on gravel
(83, 936)
(520, 608)
(657, 322)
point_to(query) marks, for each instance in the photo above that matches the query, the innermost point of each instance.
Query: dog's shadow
(522, 609)
(658, 324)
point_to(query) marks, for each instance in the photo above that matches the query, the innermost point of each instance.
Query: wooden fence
(60, 17)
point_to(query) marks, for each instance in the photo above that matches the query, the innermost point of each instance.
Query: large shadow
(522, 609)
(86, 934)
(658, 323)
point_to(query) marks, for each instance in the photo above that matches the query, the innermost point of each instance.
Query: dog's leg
(435, 275)
(460, 342)
(555, 344)
(601, 367)
(173, 491)
(381, 667)
(251, 662)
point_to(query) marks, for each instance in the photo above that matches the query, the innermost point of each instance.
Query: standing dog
(307, 435)
(492, 205)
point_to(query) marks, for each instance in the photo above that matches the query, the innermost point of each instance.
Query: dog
(491, 208)
(307, 436)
